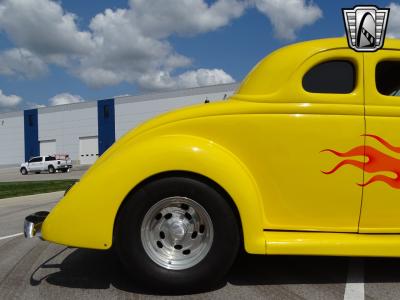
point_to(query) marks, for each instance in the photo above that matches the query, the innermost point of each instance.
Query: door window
(35, 159)
(387, 78)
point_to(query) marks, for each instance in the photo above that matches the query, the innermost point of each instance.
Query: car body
(48, 163)
(304, 152)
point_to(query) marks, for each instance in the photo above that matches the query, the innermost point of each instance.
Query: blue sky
(68, 51)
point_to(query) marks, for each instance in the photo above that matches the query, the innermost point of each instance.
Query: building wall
(130, 112)
(66, 124)
(84, 124)
(11, 138)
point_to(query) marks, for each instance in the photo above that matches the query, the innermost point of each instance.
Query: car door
(381, 202)
(41, 164)
(35, 163)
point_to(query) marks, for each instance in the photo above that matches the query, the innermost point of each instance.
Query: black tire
(52, 170)
(24, 171)
(207, 273)
(64, 170)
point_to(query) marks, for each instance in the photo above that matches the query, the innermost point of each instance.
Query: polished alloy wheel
(177, 233)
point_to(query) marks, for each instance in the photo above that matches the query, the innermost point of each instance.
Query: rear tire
(24, 171)
(177, 234)
(52, 170)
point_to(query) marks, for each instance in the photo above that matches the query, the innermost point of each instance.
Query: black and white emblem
(365, 27)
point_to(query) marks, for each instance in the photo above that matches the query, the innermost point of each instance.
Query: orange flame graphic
(376, 161)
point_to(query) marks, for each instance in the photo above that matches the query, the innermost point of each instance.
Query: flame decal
(375, 161)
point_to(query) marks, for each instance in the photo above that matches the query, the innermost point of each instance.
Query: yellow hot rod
(302, 160)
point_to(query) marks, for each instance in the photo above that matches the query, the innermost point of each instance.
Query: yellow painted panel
(283, 154)
(332, 244)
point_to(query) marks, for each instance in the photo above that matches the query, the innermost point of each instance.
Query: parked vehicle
(302, 160)
(49, 163)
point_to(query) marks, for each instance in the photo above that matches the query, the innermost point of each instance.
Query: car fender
(85, 217)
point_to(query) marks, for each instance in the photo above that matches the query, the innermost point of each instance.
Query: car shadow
(93, 269)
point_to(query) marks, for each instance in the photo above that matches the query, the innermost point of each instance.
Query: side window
(36, 159)
(387, 77)
(333, 77)
(50, 158)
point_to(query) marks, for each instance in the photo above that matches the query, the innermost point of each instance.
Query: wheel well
(191, 175)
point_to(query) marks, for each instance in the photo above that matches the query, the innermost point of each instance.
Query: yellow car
(302, 160)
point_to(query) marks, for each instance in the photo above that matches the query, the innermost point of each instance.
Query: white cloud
(99, 77)
(43, 27)
(65, 98)
(21, 62)
(161, 18)
(394, 21)
(121, 45)
(289, 16)
(32, 105)
(131, 44)
(9, 101)
(201, 77)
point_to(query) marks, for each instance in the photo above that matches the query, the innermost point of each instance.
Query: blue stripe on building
(106, 124)
(31, 133)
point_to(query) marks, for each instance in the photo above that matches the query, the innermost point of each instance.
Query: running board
(331, 244)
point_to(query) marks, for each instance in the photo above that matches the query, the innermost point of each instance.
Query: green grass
(15, 189)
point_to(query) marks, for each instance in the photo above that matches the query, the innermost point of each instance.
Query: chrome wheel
(177, 233)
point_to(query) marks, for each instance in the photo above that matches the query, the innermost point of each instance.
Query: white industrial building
(85, 130)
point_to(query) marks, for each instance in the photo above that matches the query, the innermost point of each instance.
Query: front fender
(85, 216)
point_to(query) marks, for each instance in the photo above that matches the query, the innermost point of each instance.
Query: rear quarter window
(333, 77)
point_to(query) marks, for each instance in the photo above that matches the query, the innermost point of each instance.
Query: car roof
(277, 67)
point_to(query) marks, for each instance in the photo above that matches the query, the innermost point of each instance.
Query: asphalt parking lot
(33, 269)
(9, 174)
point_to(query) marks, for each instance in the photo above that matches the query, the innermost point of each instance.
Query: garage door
(88, 149)
(48, 147)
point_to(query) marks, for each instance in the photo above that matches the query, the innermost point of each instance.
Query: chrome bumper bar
(33, 224)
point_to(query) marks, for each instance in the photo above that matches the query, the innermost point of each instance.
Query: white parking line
(355, 280)
(10, 236)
